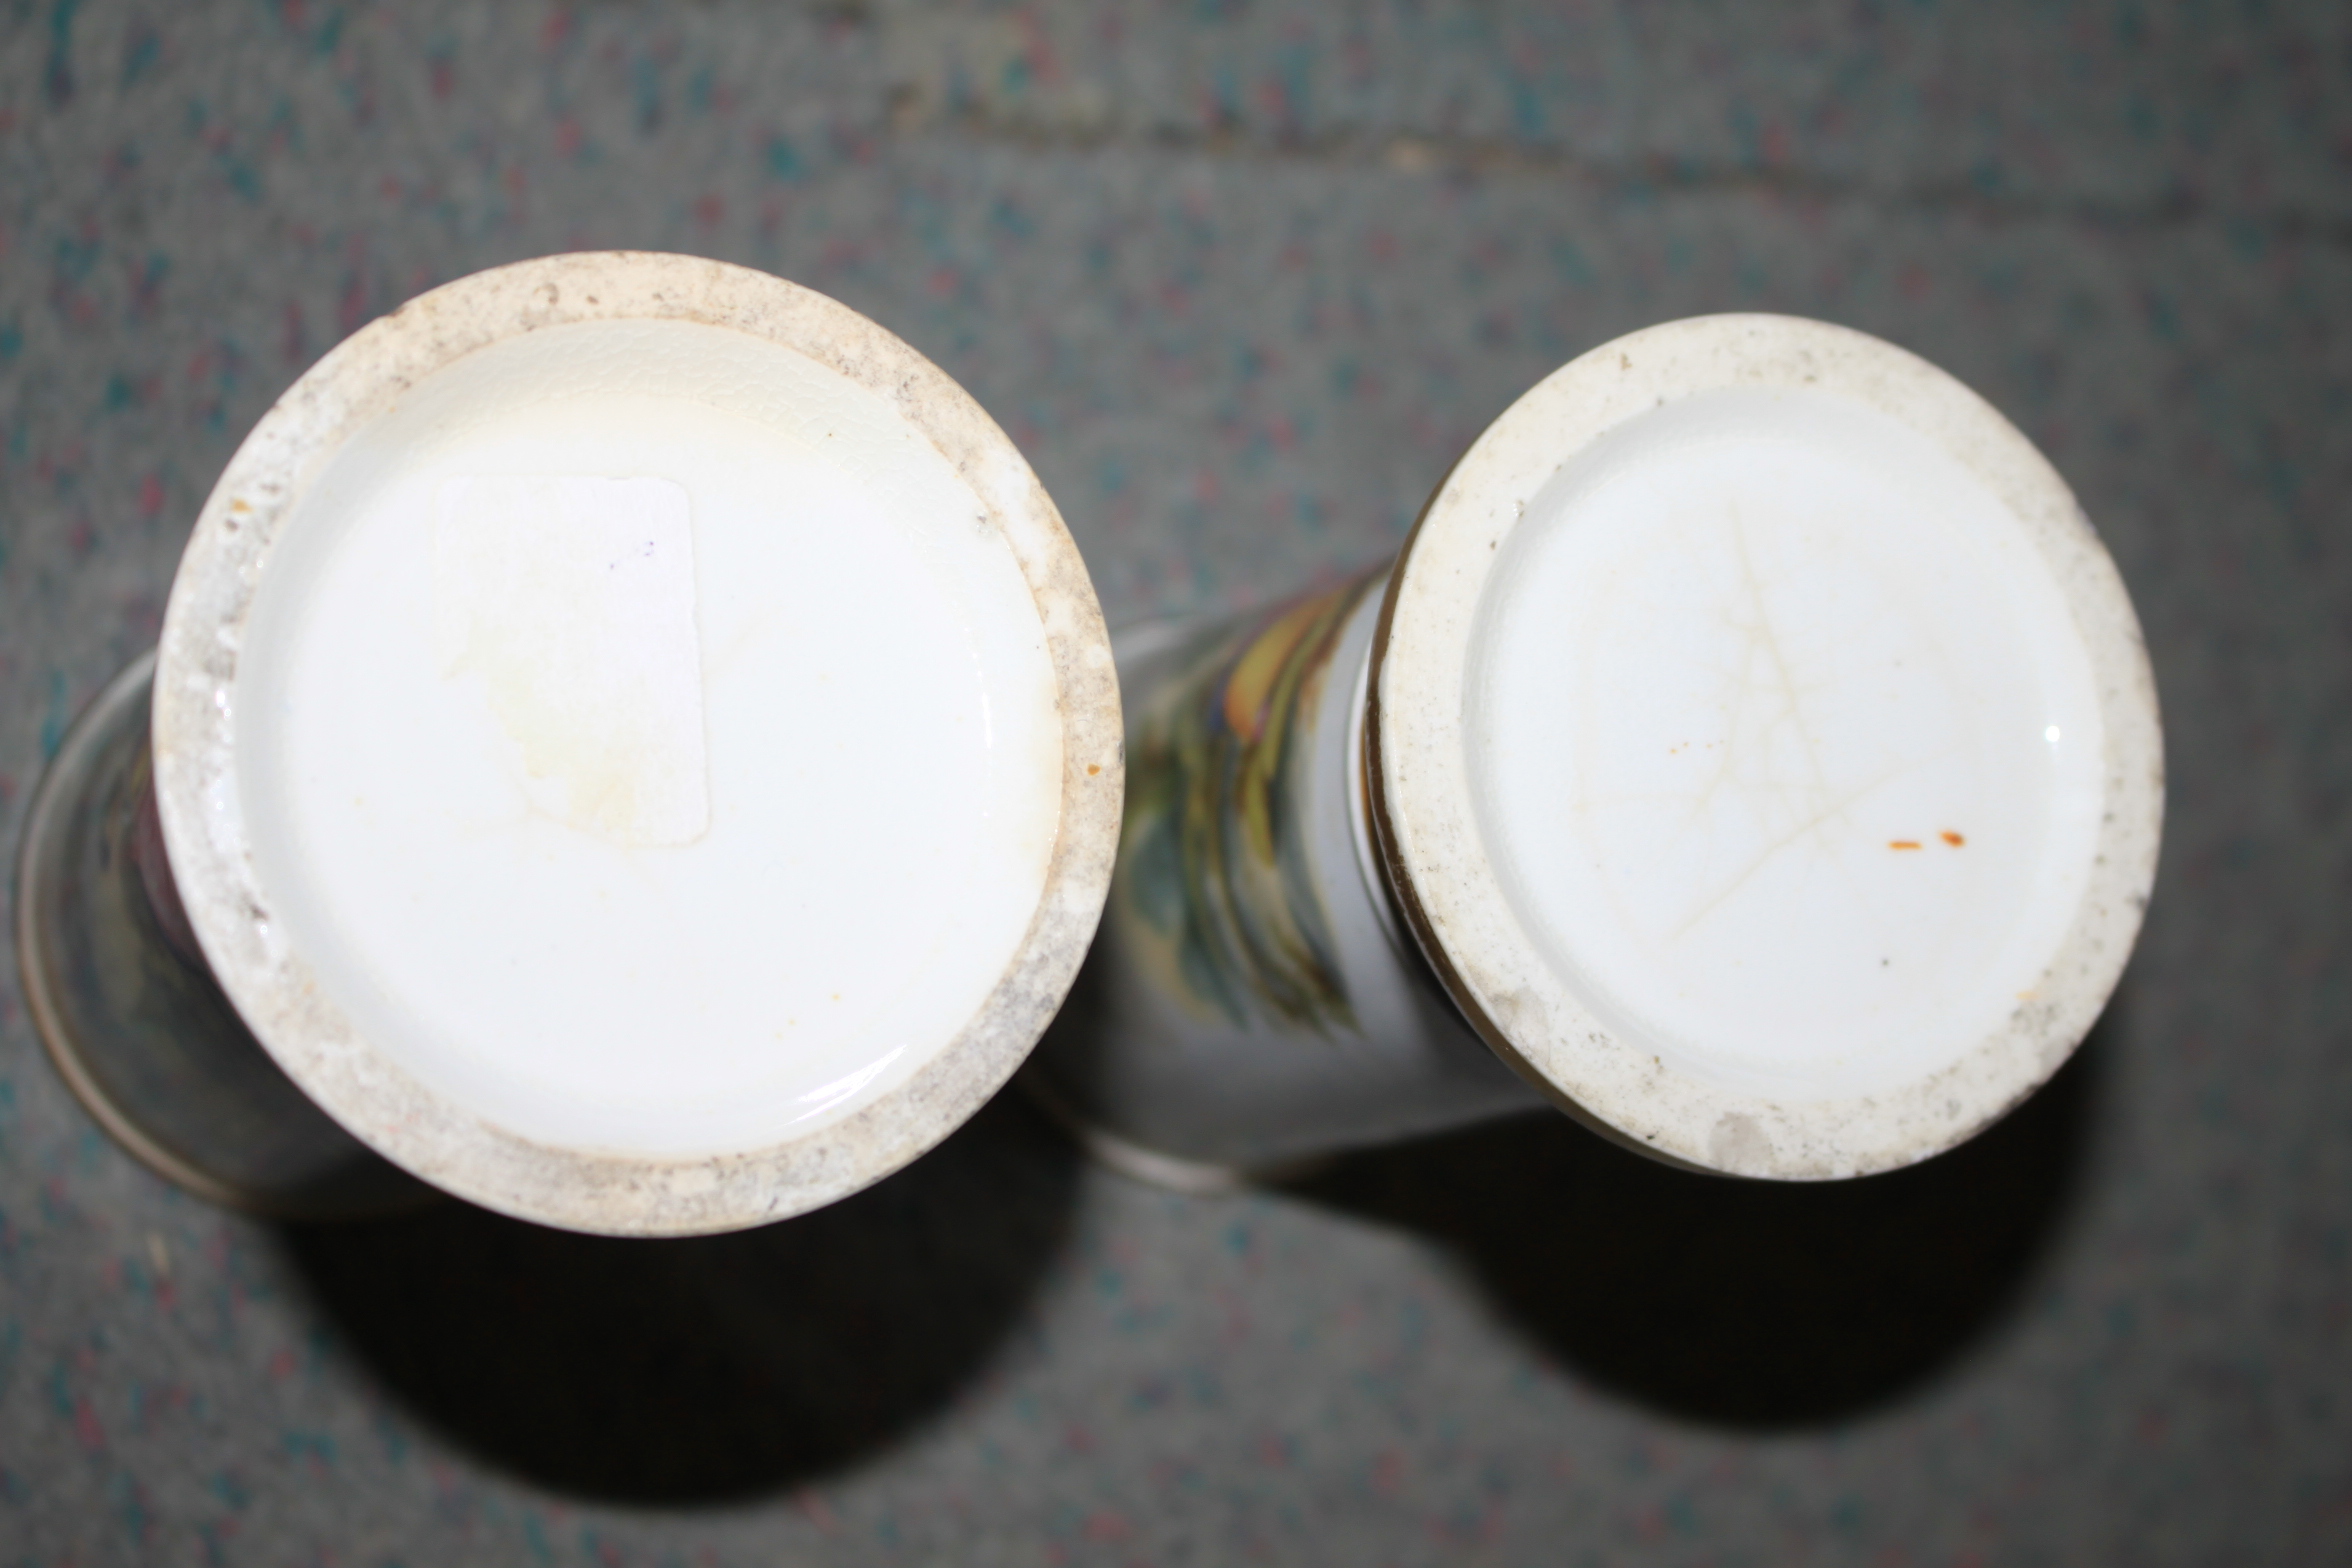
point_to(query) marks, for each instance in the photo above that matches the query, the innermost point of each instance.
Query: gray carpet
(1242, 279)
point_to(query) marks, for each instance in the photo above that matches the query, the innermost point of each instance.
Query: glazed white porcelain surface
(640, 745)
(1765, 751)
(645, 742)
(1782, 742)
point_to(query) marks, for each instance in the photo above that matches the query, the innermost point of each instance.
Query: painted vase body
(1252, 999)
(132, 1017)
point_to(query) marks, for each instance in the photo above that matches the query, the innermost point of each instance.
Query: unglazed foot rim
(390, 1098)
(1619, 909)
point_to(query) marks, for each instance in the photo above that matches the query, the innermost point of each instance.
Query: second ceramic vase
(1751, 752)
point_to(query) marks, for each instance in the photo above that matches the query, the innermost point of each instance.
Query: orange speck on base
(1902, 843)
(1952, 838)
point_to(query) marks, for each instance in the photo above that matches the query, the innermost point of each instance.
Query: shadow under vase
(710, 1368)
(1746, 1304)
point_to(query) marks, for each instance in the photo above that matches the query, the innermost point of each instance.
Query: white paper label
(572, 598)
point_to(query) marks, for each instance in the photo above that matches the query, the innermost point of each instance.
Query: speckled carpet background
(1242, 279)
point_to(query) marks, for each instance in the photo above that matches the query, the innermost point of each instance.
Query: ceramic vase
(1751, 753)
(632, 745)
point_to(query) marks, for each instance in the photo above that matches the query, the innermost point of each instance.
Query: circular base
(143, 1038)
(1764, 749)
(637, 744)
